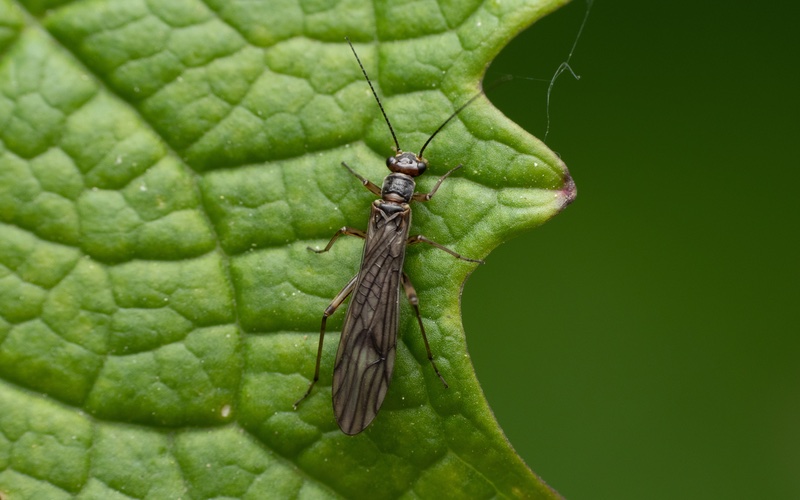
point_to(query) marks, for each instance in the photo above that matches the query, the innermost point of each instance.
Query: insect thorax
(398, 188)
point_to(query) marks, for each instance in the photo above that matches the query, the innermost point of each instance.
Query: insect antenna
(460, 108)
(397, 144)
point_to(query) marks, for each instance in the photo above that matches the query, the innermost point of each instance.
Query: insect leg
(335, 303)
(414, 300)
(421, 239)
(349, 231)
(371, 186)
(428, 196)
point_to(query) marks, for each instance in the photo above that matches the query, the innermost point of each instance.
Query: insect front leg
(335, 303)
(422, 239)
(349, 231)
(371, 186)
(428, 196)
(414, 301)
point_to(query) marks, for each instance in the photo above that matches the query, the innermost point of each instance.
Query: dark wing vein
(365, 359)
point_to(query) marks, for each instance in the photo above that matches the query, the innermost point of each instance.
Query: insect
(365, 357)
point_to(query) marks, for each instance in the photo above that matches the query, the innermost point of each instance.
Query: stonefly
(365, 358)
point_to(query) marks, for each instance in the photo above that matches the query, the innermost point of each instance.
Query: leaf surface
(163, 167)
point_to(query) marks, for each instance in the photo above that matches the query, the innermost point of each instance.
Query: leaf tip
(568, 191)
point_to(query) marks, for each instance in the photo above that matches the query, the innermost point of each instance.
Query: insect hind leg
(335, 303)
(414, 300)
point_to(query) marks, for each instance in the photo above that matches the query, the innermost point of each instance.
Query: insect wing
(365, 358)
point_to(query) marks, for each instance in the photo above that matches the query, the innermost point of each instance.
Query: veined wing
(365, 359)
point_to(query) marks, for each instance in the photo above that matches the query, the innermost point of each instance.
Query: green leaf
(163, 167)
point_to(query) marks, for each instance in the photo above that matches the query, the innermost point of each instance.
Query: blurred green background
(644, 344)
